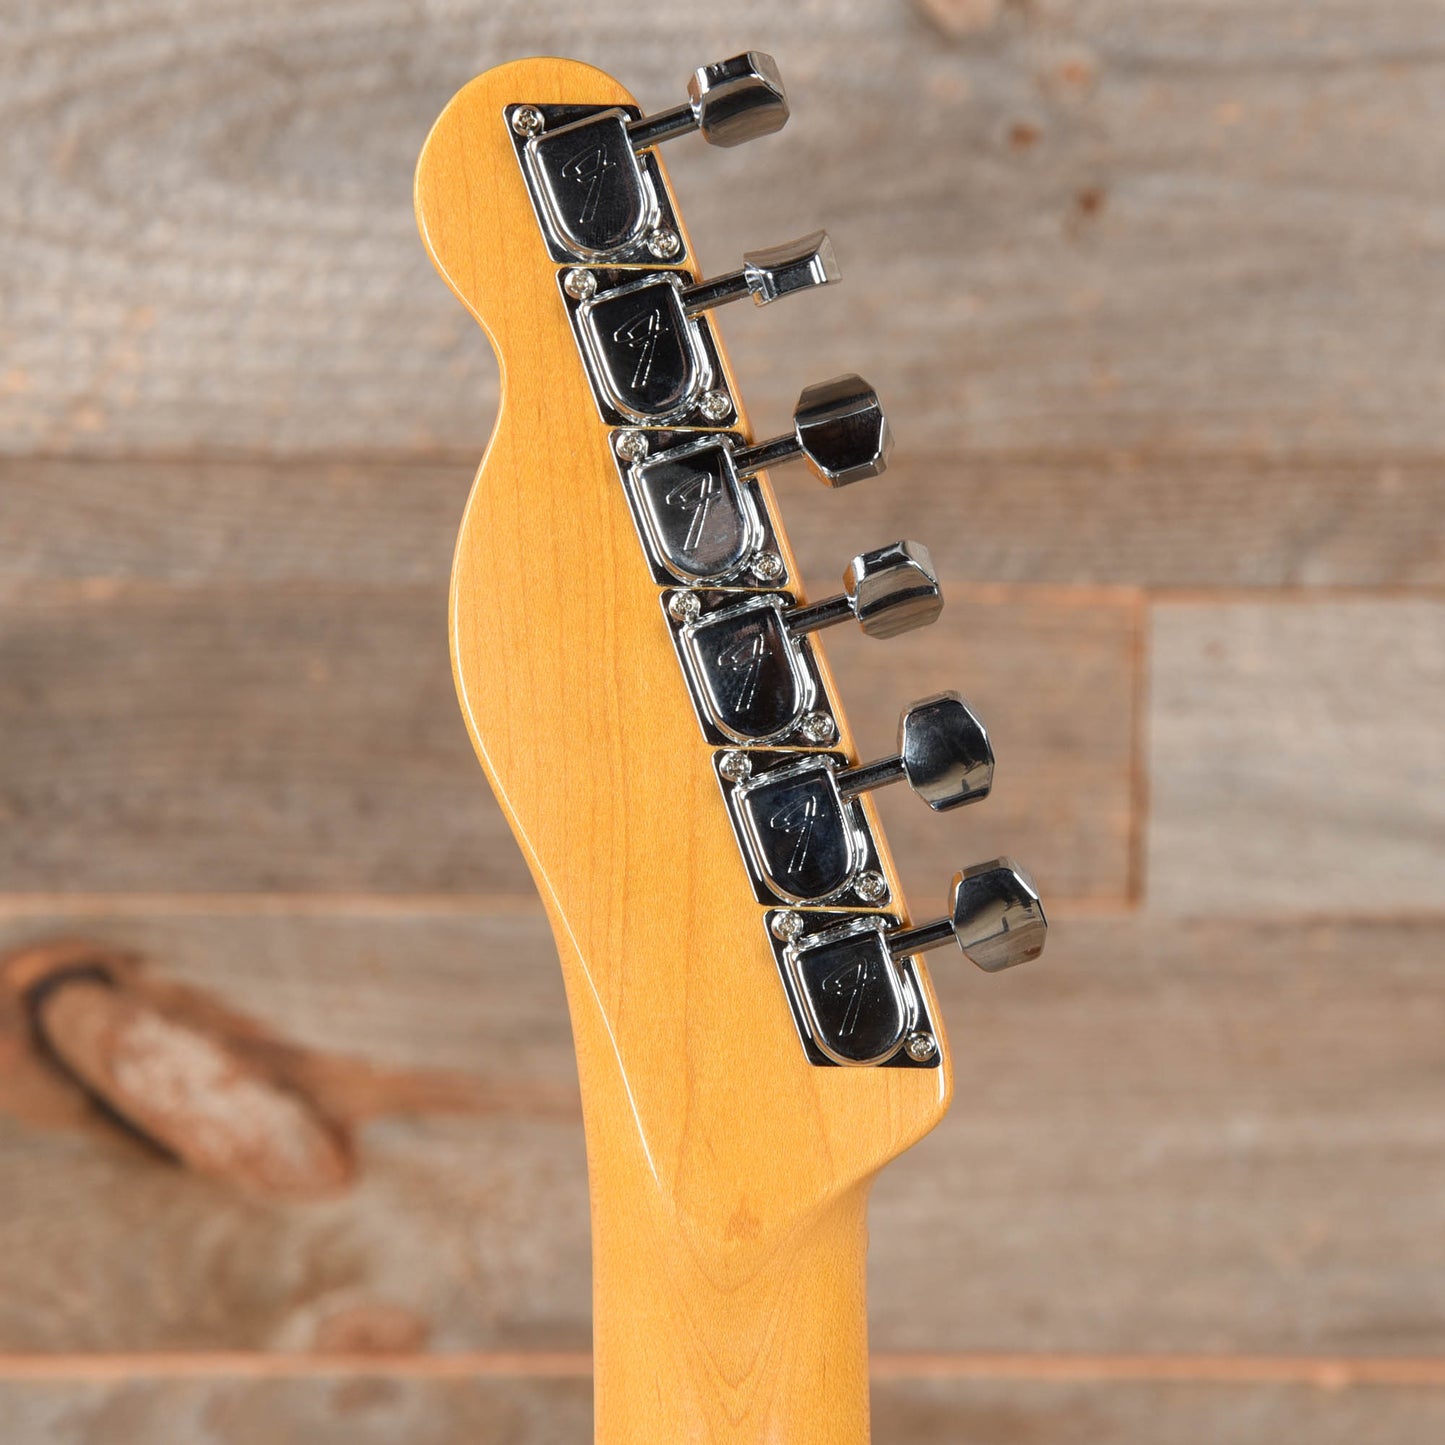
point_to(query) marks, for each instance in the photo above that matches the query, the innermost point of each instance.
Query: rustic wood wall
(1154, 290)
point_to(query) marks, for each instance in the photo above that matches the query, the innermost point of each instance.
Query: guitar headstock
(756, 1030)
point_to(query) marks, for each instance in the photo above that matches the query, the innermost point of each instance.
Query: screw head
(716, 406)
(817, 727)
(871, 887)
(527, 120)
(920, 1046)
(580, 284)
(631, 446)
(683, 606)
(785, 924)
(664, 243)
(734, 766)
(768, 567)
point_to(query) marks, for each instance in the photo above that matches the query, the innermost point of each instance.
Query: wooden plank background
(1154, 293)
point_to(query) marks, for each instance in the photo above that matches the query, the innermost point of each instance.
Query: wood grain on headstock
(728, 1175)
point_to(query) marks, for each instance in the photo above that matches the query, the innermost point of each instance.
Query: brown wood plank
(1196, 1137)
(1296, 753)
(381, 1409)
(1158, 521)
(234, 737)
(1123, 225)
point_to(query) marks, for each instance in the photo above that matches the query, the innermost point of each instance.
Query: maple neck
(739, 1340)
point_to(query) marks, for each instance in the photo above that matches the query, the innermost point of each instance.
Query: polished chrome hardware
(996, 919)
(803, 841)
(768, 275)
(699, 519)
(858, 1006)
(889, 591)
(751, 680)
(650, 356)
(944, 755)
(803, 834)
(729, 102)
(838, 428)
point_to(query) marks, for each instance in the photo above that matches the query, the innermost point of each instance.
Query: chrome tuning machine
(753, 680)
(996, 918)
(650, 358)
(705, 526)
(804, 836)
(598, 194)
(852, 980)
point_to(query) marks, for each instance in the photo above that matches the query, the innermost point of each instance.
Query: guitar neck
(756, 1031)
(731, 1341)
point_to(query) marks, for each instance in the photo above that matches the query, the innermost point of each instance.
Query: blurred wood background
(1155, 293)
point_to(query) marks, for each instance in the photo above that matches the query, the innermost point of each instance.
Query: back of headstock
(756, 1033)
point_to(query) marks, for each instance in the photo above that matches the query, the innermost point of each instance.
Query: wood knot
(174, 1078)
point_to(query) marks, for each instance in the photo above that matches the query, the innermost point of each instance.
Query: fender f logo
(589, 168)
(639, 336)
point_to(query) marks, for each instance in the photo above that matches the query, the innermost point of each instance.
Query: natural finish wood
(1131, 223)
(344, 1410)
(1246, 1111)
(1297, 754)
(1152, 520)
(728, 1176)
(220, 736)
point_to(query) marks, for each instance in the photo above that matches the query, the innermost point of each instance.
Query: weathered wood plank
(352, 1410)
(1124, 224)
(1157, 521)
(233, 737)
(1168, 1136)
(1296, 757)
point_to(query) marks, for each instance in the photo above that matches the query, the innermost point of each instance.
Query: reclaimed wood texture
(1151, 294)
(1240, 1109)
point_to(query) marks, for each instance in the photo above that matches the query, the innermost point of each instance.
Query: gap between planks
(1326, 1372)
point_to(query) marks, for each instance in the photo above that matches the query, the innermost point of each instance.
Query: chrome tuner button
(944, 755)
(889, 591)
(769, 274)
(996, 919)
(839, 430)
(729, 103)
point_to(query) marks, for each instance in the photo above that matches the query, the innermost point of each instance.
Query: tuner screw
(527, 120)
(631, 446)
(871, 887)
(716, 406)
(735, 766)
(580, 284)
(785, 925)
(921, 1047)
(683, 606)
(817, 727)
(768, 567)
(664, 243)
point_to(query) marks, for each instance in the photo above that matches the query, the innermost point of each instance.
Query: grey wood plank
(1199, 1137)
(1296, 754)
(1120, 224)
(304, 736)
(1158, 521)
(508, 1411)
